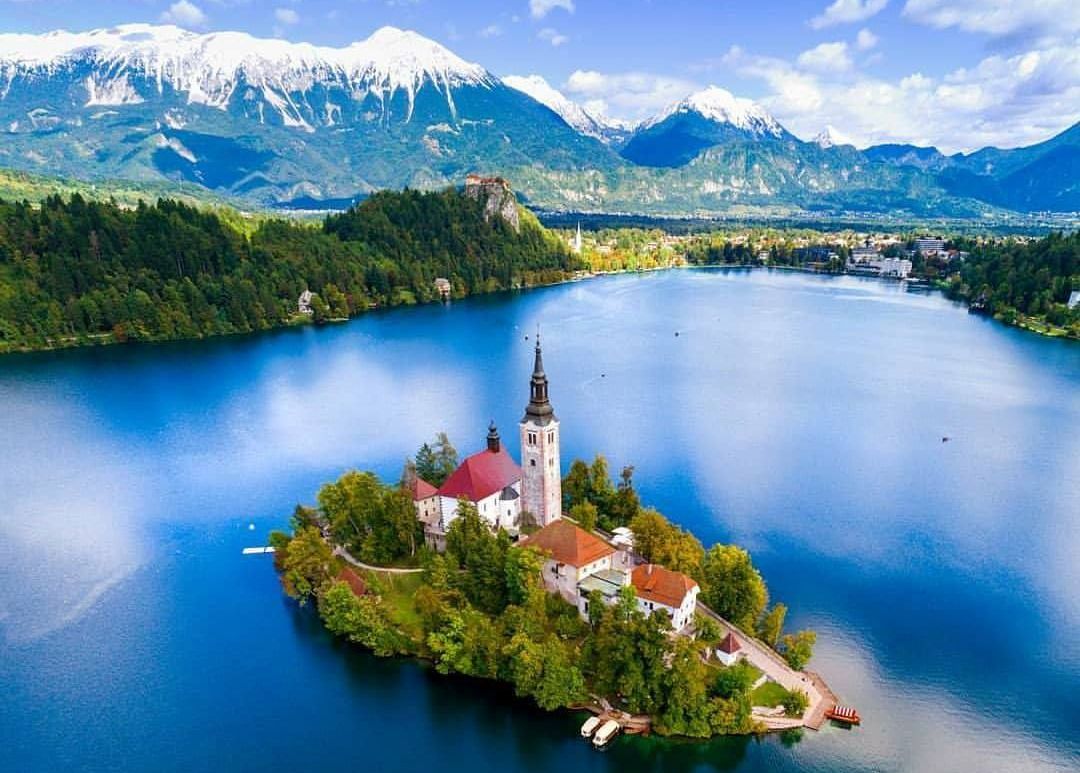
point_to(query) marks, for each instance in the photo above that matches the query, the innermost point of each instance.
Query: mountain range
(272, 123)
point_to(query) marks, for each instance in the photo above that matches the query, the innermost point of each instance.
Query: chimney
(493, 443)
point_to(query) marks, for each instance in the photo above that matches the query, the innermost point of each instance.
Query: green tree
(798, 648)
(795, 703)
(772, 625)
(523, 567)
(360, 619)
(306, 564)
(585, 514)
(731, 585)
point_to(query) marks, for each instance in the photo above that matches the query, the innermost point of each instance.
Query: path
(763, 657)
(343, 553)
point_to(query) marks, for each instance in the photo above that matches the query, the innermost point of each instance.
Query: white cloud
(628, 96)
(846, 12)
(865, 40)
(541, 8)
(184, 14)
(552, 36)
(1000, 18)
(826, 57)
(490, 31)
(1005, 101)
(286, 15)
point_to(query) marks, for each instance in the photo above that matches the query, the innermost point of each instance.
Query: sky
(958, 74)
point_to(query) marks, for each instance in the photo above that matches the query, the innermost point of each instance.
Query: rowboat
(590, 727)
(845, 714)
(607, 731)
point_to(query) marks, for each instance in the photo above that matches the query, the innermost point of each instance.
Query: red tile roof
(355, 581)
(569, 544)
(481, 475)
(730, 644)
(421, 489)
(662, 586)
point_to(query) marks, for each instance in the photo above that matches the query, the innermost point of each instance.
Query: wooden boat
(845, 714)
(607, 731)
(590, 727)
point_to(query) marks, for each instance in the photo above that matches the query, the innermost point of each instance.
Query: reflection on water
(800, 416)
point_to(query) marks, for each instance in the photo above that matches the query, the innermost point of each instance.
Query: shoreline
(1027, 324)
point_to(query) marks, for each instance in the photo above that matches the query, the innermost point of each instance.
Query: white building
(576, 242)
(303, 303)
(491, 480)
(573, 554)
(1074, 299)
(727, 651)
(897, 268)
(930, 246)
(541, 471)
(662, 589)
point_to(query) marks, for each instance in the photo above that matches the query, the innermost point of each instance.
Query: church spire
(539, 408)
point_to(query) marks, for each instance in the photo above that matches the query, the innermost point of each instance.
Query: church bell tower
(541, 472)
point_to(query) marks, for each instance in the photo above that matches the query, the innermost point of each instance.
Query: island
(566, 588)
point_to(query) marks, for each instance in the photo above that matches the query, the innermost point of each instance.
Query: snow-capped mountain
(830, 137)
(721, 106)
(703, 119)
(269, 119)
(577, 117)
(122, 64)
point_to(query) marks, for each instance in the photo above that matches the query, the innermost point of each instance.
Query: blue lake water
(798, 415)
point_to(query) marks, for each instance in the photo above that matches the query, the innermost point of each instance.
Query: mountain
(271, 123)
(1040, 177)
(701, 120)
(578, 118)
(908, 155)
(268, 120)
(831, 137)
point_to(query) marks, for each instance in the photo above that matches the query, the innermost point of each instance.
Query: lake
(800, 416)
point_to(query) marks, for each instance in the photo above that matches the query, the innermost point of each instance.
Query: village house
(303, 303)
(443, 287)
(426, 501)
(572, 554)
(662, 589)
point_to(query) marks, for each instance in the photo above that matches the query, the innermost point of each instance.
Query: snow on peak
(209, 67)
(543, 92)
(830, 137)
(722, 106)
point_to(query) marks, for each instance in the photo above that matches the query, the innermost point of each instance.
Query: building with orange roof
(660, 588)
(572, 554)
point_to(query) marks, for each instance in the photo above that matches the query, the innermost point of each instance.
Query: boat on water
(845, 714)
(605, 733)
(590, 727)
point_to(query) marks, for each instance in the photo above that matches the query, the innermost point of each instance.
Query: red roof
(663, 586)
(421, 489)
(569, 544)
(481, 475)
(355, 581)
(730, 644)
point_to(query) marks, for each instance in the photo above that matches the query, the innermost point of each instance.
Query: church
(504, 493)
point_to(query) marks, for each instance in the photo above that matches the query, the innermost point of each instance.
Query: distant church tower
(541, 478)
(575, 243)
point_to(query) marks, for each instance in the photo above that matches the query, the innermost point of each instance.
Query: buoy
(676, 333)
(945, 439)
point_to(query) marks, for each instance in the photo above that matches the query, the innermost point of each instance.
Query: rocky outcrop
(496, 196)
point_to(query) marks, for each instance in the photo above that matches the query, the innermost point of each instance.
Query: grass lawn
(398, 591)
(769, 694)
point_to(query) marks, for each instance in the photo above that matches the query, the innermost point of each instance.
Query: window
(532, 462)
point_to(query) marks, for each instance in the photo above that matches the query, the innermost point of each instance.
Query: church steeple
(539, 408)
(541, 481)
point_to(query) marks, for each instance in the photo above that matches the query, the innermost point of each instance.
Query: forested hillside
(75, 271)
(1012, 279)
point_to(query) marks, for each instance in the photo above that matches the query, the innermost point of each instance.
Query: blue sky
(956, 73)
